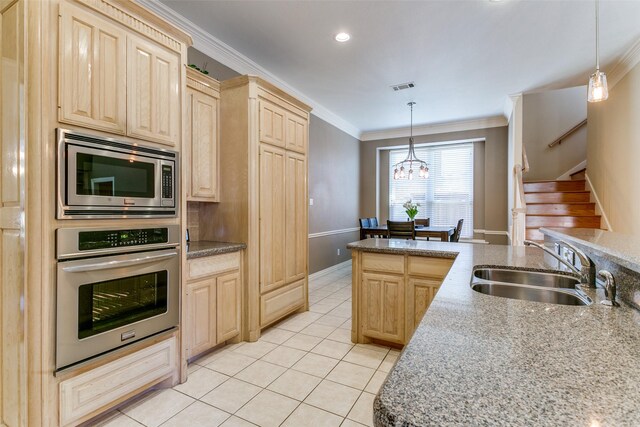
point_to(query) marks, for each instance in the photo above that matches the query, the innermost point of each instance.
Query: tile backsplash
(193, 220)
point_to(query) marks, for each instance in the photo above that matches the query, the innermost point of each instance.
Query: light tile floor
(304, 371)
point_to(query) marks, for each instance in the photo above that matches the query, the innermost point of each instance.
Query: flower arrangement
(411, 209)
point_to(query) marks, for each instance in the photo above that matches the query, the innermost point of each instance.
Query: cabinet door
(13, 195)
(204, 146)
(419, 296)
(296, 217)
(153, 92)
(201, 316)
(228, 306)
(272, 217)
(382, 307)
(272, 124)
(297, 133)
(92, 71)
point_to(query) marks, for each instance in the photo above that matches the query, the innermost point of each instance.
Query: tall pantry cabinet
(263, 196)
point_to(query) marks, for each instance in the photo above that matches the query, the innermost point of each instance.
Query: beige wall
(613, 153)
(216, 70)
(546, 116)
(490, 177)
(333, 185)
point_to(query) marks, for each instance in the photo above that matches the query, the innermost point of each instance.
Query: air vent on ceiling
(403, 86)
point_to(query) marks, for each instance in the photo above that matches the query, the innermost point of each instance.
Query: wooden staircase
(558, 204)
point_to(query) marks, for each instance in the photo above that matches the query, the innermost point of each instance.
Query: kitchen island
(476, 359)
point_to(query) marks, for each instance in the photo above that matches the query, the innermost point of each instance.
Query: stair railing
(519, 211)
(565, 135)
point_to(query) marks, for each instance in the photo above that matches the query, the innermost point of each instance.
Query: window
(446, 196)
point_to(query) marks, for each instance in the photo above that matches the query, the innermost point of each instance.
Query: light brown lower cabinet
(420, 294)
(383, 307)
(392, 294)
(213, 302)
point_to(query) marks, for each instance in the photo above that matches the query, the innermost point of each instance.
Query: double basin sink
(527, 285)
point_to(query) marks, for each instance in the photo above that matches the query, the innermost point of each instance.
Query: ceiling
(464, 56)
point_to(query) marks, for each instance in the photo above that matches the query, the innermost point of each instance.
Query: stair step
(557, 197)
(592, 221)
(575, 209)
(548, 186)
(581, 174)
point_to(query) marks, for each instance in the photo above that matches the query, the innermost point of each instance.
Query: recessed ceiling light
(343, 37)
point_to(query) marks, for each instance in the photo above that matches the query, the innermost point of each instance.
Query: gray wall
(216, 70)
(547, 116)
(334, 186)
(490, 177)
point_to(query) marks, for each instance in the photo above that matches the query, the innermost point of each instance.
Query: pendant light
(598, 90)
(404, 169)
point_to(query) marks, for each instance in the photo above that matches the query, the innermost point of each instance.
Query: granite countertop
(205, 248)
(622, 248)
(477, 359)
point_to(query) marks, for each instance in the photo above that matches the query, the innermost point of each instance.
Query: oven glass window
(108, 176)
(110, 304)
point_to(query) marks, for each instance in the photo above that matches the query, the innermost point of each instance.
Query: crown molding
(431, 129)
(629, 60)
(225, 54)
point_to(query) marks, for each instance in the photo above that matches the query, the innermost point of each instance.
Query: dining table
(443, 232)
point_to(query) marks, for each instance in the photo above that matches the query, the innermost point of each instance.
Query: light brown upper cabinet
(92, 71)
(153, 92)
(272, 124)
(116, 80)
(297, 133)
(202, 137)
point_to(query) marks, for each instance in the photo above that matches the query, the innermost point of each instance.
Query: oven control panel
(103, 239)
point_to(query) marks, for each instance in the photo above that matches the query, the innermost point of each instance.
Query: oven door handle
(116, 264)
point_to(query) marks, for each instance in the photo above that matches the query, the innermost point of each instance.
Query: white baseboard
(599, 210)
(567, 175)
(328, 270)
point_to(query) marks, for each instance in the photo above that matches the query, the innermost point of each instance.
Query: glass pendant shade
(598, 90)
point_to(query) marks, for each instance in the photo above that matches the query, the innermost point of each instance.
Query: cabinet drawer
(215, 264)
(110, 383)
(280, 302)
(383, 262)
(429, 267)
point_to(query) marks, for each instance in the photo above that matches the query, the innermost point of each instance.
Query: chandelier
(404, 169)
(598, 90)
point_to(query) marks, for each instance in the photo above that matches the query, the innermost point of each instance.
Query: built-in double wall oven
(114, 286)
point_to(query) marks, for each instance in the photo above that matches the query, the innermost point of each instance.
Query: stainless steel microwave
(102, 177)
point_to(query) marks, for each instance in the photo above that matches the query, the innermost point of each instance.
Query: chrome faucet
(587, 271)
(609, 288)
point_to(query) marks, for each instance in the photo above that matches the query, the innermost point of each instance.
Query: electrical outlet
(310, 202)
(338, 251)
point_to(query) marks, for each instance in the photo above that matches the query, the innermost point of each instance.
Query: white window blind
(446, 196)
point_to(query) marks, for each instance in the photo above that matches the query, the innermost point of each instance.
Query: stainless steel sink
(530, 293)
(522, 277)
(538, 286)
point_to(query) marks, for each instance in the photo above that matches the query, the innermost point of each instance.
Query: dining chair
(422, 221)
(401, 230)
(373, 221)
(364, 222)
(456, 234)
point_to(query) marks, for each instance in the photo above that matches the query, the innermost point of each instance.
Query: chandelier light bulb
(410, 173)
